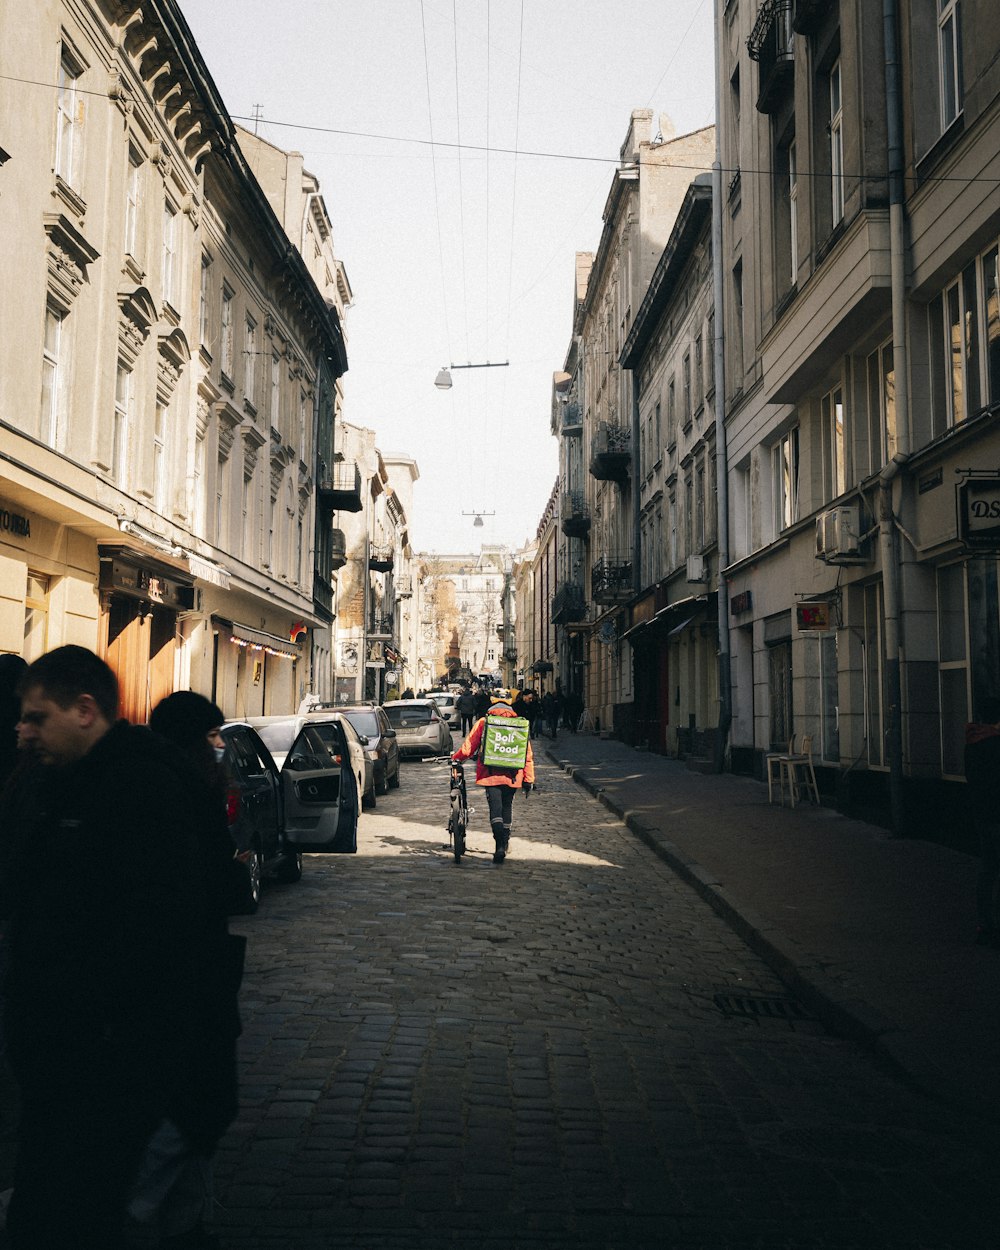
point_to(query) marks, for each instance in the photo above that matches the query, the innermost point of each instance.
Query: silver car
(279, 732)
(448, 703)
(420, 726)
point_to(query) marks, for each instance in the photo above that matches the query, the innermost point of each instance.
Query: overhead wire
(437, 202)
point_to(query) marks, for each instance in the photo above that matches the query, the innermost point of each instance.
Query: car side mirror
(388, 733)
(363, 739)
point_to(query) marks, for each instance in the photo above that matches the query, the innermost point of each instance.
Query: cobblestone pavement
(570, 1049)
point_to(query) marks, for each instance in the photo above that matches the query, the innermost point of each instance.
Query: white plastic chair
(772, 762)
(798, 771)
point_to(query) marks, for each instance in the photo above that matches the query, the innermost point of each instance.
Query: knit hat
(185, 717)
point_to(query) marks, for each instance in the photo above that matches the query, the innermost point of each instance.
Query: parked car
(382, 748)
(277, 813)
(448, 703)
(420, 727)
(280, 732)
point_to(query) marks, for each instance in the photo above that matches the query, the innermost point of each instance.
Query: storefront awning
(260, 640)
(683, 625)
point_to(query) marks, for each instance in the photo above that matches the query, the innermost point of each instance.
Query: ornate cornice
(69, 254)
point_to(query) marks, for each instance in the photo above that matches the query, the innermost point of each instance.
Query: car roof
(410, 703)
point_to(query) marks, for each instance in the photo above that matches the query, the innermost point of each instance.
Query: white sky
(459, 254)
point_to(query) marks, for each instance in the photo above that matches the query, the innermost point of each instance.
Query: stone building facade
(158, 371)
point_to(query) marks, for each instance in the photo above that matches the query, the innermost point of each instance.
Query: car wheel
(290, 869)
(367, 800)
(254, 869)
(394, 780)
(382, 784)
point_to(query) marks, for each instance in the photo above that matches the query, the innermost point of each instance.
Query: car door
(391, 745)
(258, 782)
(320, 796)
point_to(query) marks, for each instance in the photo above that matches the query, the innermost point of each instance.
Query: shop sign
(142, 584)
(15, 523)
(813, 616)
(742, 602)
(979, 512)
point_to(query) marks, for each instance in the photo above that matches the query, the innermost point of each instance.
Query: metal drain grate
(761, 1007)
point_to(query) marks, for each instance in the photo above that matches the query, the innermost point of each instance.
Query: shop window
(36, 617)
(874, 675)
(829, 697)
(953, 666)
(779, 686)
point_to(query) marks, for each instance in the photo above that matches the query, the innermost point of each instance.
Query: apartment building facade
(861, 225)
(156, 478)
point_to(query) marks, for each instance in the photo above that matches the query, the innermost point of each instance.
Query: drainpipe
(721, 451)
(888, 546)
(636, 503)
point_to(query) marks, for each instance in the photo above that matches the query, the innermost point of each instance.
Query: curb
(842, 1013)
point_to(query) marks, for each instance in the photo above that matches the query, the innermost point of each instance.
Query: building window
(686, 375)
(785, 480)
(227, 332)
(36, 617)
(699, 508)
(198, 487)
(133, 190)
(658, 431)
(203, 298)
(710, 383)
(832, 412)
(169, 253)
(250, 367)
(881, 408)
(122, 424)
(950, 59)
(953, 666)
(688, 516)
(222, 470)
(699, 374)
(836, 146)
(69, 122)
(303, 426)
(738, 325)
(672, 409)
(54, 378)
(160, 460)
(275, 390)
(672, 522)
(991, 323)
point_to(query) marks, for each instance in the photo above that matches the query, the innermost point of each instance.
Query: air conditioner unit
(696, 571)
(838, 535)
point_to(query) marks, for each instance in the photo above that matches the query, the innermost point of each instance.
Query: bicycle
(458, 816)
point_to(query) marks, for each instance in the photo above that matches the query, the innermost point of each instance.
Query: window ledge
(226, 382)
(945, 142)
(133, 269)
(831, 240)
(72, 199)
(170, 313)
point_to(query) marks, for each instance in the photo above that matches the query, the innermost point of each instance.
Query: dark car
(381, 747)
(309, 804)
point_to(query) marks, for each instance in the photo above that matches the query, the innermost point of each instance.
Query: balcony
(611, 581)
(380, 627)
(381, 558)
(322, 596)
(572, 420)
(404, 587)
(338, 549)
(568, 604)
(340, 487)
(574, 515)
(808, 15)
(611, 452)
(771, 46)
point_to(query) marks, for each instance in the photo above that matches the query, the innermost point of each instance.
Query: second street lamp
(443, 379)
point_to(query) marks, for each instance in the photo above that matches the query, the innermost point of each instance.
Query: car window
(313, 749)
(365, 723)
(278, 738)
(417, 715)
(243, 756)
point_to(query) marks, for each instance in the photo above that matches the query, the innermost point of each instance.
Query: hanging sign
(979, 512)
(813, 616)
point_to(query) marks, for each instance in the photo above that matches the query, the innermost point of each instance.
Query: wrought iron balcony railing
(574, 515)
(611, 452)
(340, 487)
(771, 46)
(611, 580)
(568, 603)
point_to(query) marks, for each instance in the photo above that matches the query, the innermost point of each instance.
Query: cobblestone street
(570, 1049)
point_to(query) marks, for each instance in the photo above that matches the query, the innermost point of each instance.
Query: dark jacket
(108, 958)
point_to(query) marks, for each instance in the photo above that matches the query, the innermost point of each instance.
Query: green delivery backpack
(505, 742)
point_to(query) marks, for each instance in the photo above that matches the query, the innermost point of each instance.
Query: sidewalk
(872, 933)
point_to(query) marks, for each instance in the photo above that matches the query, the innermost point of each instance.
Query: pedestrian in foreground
(982, 773)
(103, 944)
(500, 784)
(173, 1192)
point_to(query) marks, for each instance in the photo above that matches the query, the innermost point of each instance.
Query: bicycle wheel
(457, 827)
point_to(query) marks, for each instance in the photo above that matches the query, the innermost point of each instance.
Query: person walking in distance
(466, 704)
(500, 784)
(104, 951)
